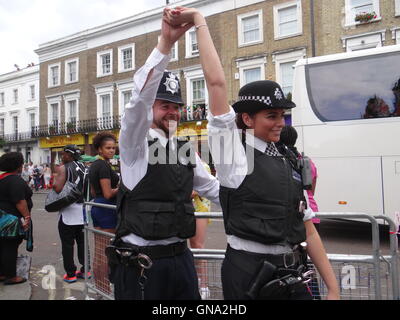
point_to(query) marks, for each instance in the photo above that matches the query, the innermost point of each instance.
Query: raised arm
(210, 62)
(138, 116)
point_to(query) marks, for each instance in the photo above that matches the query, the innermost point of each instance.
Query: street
(339, 237)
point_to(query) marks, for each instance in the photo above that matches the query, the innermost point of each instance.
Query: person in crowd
(47, 176)
(201, 204)
(104, 187)
(15, 200)
(159, 172)
(36, 177)
(70, 224)
(25, 174)
(263, 204)
(288, 138)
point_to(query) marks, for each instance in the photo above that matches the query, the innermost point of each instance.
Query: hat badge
(171, 84)
(278, 94)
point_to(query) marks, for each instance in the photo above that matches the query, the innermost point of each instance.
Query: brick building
(86, 78)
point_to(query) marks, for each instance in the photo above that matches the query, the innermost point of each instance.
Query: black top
(100, 169)
(13, 189)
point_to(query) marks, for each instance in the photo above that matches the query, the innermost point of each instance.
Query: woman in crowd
(262, 201)
(104, 187)
(15, 202)
(47, 176)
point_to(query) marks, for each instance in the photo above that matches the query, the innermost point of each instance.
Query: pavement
(21, 291)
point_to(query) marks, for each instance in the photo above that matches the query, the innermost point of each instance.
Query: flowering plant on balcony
(365, 16)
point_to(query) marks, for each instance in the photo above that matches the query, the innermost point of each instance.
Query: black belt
(249, 261)
(155, 252)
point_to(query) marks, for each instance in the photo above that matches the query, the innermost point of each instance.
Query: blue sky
(24, 24)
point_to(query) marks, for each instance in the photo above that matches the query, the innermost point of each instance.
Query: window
(287, 72)
(1, 99)
(192, 48)
(54, 75)
(250, 29)
(15, 95)
(15, 125)
(126, 97)
(364, 41)
(197, 97)
(354, 7)
(72, 71)
(251, 70)
(284, 68)
(252, 74)
(72, 112)
(126, 58)
(105, 105)
(2, 127)
(32, 120)
(32, 92)
(351, 89)
(397, 7)
(288, 19)
(54, 115)
(104, 63)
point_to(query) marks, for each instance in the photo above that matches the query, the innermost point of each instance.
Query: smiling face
(107, 149)
(267, 124)
(166, 116)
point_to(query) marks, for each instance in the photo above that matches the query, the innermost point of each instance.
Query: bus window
(358, 88)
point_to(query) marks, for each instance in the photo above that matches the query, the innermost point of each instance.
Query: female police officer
(261, 197)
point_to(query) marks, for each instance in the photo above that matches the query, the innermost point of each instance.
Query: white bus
(348, 121)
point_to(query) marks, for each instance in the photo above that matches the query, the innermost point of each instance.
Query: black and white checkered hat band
(262, 99)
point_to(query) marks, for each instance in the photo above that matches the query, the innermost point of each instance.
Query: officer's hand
(181, 15)
(170, 33)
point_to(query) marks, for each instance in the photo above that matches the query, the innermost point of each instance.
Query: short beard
(160, 125)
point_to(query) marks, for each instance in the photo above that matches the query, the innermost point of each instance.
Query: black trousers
(69, 235)
(172, 278)
(8, 256)
(239, 269)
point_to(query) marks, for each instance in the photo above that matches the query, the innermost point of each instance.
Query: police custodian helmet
(169, 88)
(259, 95)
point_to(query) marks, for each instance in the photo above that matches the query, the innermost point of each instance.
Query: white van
(348, 121)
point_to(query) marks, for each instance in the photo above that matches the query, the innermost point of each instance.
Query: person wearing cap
(261, 197)
(70, 224)
(159, 172)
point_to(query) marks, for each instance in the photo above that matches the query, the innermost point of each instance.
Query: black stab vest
(265, 207)
(160, 206)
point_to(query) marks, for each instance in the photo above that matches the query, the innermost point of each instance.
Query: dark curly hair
(101, 138)
(11, 161)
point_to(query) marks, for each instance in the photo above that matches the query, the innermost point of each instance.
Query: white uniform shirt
(133, 145)
(230, 160)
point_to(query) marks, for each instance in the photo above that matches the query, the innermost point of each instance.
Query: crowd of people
(268, 215)
(37, 176)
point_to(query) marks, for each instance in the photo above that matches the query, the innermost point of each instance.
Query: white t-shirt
(72, 215)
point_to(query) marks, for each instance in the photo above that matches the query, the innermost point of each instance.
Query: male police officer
(154, 203)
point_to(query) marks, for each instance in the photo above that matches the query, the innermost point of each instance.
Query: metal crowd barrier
(361, 277)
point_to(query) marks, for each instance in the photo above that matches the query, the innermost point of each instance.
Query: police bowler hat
(169, 89)
(259, 95)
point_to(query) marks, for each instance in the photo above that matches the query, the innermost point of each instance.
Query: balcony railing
(81, 126)
(84, 126)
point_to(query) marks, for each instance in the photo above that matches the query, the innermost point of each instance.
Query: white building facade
(19, 113)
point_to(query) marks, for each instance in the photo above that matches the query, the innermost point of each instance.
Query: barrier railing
(370, 270)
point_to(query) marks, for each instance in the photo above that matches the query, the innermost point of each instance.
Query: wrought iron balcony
(81, 126)
(17, 136)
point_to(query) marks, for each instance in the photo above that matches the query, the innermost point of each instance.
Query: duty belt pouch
(264, 275)
(288, 280)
